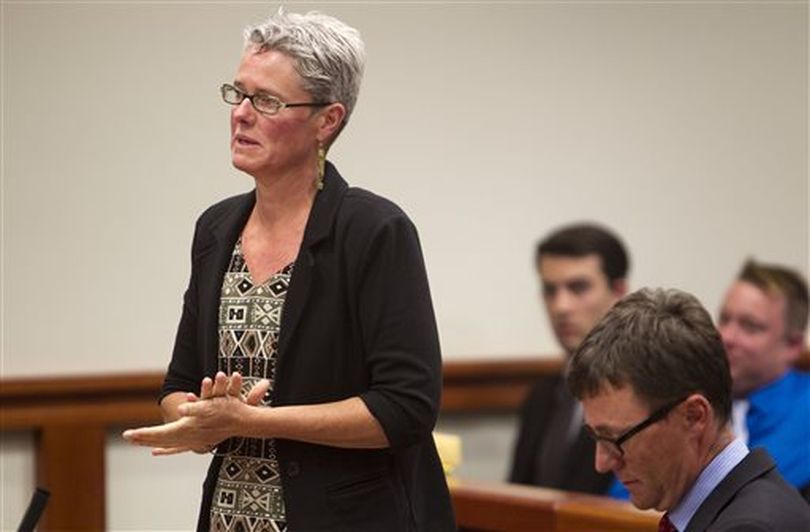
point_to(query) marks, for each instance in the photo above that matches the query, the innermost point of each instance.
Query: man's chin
(569, 344)
(643, 501)
(640, 502)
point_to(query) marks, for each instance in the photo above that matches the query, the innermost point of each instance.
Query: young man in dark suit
(582, 270)
(655, 387)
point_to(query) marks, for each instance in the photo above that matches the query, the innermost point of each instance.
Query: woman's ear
(330, 121)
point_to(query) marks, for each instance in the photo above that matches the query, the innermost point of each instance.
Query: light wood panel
(495, 506)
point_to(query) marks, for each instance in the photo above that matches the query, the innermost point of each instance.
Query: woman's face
(266, 146)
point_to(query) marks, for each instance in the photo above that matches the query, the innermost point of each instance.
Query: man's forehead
(562, 268)
(744, 297)
(612, 406)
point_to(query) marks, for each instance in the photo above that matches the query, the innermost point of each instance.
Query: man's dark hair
(663, 344)
(780, 281)
(582, 239)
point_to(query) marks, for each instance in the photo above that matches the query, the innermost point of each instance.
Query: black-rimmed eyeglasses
(614, 445)
(262, 102)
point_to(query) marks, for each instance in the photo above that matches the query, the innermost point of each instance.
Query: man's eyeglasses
(263, 103)
(614, 445)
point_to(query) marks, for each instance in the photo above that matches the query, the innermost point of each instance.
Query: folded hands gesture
(217, 414)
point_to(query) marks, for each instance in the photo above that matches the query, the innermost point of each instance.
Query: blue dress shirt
(778, 419)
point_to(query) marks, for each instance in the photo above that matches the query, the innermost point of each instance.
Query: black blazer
(752, 497)
(357, 321)
(535, 428)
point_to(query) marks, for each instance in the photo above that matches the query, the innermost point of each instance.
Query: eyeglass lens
(263, 103)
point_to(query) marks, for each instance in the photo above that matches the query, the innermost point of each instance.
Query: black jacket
(753, 497)
(536, 428)
(357, 321)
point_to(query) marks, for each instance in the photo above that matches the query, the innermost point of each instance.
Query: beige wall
(683, 125)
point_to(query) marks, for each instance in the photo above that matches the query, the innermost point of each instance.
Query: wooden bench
(494, 506)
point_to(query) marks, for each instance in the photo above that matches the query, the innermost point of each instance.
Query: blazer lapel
(319, 227)
(224, 232)
(753, 466)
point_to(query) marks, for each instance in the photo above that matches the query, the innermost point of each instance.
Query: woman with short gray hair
(307, 357)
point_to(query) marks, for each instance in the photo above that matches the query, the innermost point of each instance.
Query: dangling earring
(321, 166)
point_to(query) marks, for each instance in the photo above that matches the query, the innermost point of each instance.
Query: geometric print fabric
(248, 495)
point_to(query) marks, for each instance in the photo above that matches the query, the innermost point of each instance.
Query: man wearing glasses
(655, 387)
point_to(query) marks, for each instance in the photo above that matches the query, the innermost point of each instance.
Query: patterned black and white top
(248, 494)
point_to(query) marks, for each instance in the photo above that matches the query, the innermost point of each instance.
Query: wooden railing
(492, 385)
(70, 417)
(496, 506)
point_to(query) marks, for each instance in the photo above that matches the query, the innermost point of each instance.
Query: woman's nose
(244, 110)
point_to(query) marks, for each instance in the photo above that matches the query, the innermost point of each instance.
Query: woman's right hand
(223, 385)
(220, 386)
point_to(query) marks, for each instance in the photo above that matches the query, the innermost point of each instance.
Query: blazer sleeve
(399, 333)
(185, 369)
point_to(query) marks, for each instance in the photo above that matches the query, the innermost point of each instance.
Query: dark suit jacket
(357, 321)
(753, 497)
(536, 428)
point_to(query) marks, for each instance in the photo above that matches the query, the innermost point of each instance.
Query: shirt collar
(709, 478)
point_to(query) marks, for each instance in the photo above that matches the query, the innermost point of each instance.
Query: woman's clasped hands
(201, 422)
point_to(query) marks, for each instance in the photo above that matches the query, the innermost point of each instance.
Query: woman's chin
(243, 164)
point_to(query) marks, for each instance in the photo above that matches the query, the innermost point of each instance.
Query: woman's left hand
(205, 421)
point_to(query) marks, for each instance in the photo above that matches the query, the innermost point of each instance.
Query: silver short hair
(329, 55)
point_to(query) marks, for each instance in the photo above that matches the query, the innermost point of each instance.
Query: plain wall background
(682, 125)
